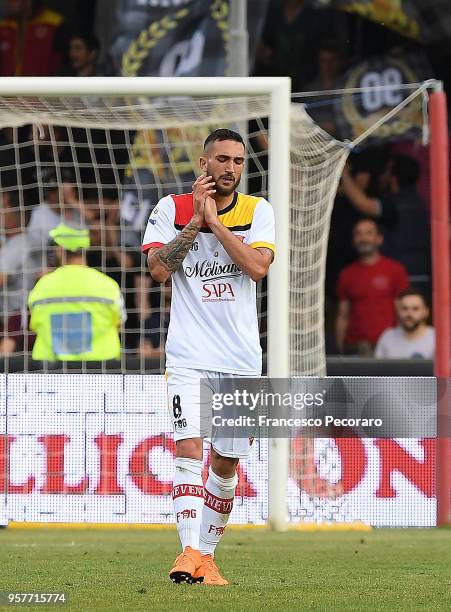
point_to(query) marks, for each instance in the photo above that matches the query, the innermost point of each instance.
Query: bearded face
(224, 161)
(412, 312)
(366, 237)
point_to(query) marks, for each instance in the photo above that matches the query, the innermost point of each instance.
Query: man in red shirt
(367, 290)
(31, 40)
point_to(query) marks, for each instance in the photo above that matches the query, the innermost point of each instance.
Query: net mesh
(103, 163)
(317, 161)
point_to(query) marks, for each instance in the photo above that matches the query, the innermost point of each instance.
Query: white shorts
(189, 420)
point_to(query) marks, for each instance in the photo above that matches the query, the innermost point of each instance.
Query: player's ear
(203, 164)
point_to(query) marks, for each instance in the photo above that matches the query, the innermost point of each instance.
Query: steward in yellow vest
(76, 311)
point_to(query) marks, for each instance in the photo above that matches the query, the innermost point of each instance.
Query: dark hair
(89, 38)
(371, 220)
(413, 291)
(406, 169)
(223, 134)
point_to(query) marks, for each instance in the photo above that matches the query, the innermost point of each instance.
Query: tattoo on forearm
(172, 254)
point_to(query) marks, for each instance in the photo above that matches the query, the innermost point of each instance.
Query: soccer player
(216, 243)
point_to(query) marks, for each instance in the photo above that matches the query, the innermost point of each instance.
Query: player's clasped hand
(203, 188)
(210, 212)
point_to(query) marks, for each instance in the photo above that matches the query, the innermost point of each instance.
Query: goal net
(102, 162)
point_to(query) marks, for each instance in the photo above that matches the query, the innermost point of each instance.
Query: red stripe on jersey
(187, 489)
(222, 506)
(151, 245)
(184, 209)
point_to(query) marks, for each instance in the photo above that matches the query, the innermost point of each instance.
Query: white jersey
(213, 324)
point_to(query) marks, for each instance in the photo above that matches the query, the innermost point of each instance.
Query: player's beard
(226, 191)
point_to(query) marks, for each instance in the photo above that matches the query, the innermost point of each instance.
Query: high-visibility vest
(76, 314)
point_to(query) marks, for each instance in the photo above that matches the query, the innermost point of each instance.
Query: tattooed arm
(165, 260)
(253, 262)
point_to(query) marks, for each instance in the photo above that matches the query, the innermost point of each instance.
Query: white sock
(219, 494)
(188, 499)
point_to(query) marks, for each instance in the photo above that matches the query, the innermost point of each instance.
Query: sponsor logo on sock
(186, 514)
(216, 530)
(187, 489)
(222, 506)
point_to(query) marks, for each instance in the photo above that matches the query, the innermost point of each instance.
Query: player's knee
(225, 467)
(190, 449)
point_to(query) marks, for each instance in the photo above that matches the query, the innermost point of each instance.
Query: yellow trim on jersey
(242, 213)
(265, 245)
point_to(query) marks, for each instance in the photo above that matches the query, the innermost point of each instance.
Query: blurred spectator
(409, 240)
(58, 206)
(61, 205)
(133, 207)
(420, 152)
(83, 56)
(156, 327)
(290, 40)
(382, 209)
(76, 311)
(358, 197)
(103, 223)
(367, 290)
(331, 59)
(18, 272)
(413, 337)
(45, 152)
(32, 40)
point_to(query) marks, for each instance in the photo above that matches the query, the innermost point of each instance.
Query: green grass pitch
(127, 570)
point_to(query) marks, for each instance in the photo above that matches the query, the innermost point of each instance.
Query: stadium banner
(399, 15)
(357, 112)
(428, 22)
(98, 449)
(178, 37)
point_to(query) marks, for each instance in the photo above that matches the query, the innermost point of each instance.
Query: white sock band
(188, 499)
(219, 494)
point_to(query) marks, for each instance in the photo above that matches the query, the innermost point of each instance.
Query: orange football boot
(185, 566)
(208, 572)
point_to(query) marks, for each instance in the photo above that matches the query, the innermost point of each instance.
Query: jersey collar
(230, 206)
